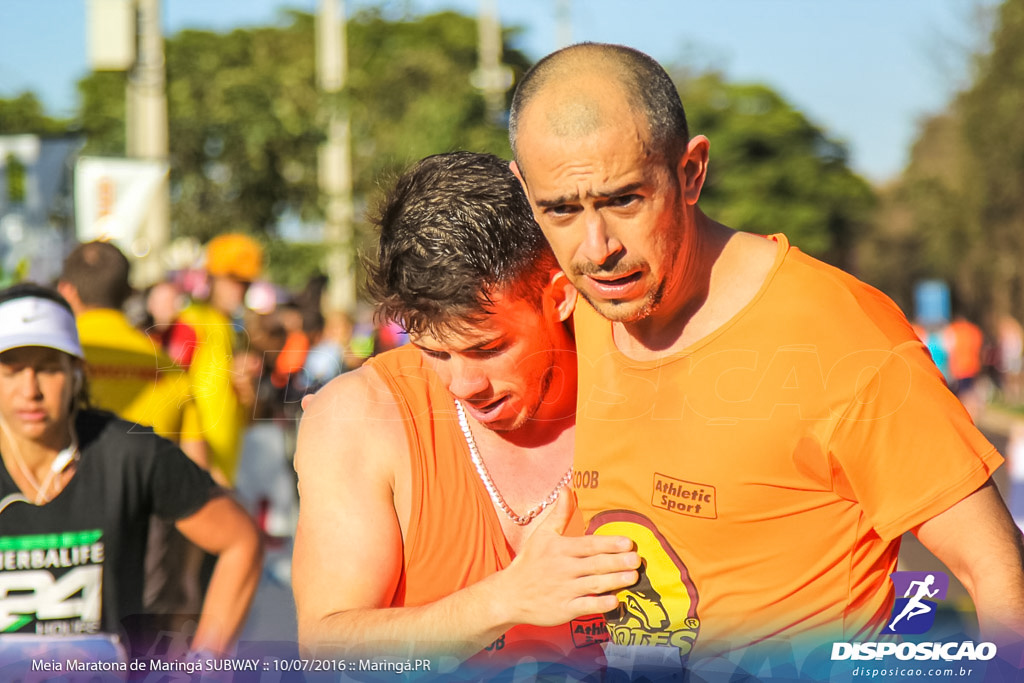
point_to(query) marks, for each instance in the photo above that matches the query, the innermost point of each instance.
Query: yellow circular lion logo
(661, 607)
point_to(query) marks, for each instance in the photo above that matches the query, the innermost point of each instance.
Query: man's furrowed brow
(574, 198)
(619, 191)
(559, 201)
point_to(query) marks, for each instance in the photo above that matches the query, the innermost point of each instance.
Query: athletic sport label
(684, 497)
(51, 584)
(589, 630)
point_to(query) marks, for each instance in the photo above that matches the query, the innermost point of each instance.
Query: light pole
(491, 77)
(335, 164)
(147, 136)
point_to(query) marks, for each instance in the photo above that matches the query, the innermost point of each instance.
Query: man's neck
(721, 274)
(675, 321)
(526, 466)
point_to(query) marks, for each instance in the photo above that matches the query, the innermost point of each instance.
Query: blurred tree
(292, 264)
(102, 115)
(957, 212)
(994, 169)
(926, 228)
(887, 253)
(24, 114)
(772, 170)
(245, 115)
(246, 121)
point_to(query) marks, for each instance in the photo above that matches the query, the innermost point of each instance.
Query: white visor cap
(35, 321)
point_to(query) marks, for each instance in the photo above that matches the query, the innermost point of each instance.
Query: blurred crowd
(216, 359)
(282, 346)
(979, 365)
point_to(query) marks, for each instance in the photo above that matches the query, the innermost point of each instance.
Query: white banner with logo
(113, 196)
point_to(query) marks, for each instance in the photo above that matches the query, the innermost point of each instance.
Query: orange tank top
(454, 537)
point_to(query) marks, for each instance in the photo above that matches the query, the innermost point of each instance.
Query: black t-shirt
(76, 564)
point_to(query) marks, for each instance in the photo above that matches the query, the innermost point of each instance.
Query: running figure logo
(914, 612)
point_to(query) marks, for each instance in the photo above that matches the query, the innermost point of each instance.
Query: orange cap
(234, 255)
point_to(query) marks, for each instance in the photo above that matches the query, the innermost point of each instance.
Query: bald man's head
(586, 86)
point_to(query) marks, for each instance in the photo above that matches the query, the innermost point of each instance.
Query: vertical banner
(932, 302)
(113, 196)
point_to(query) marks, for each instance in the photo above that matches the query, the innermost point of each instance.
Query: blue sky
(866, 71)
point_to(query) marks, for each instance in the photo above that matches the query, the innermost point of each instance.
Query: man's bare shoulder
(353, 413)
(745, 262)
(360, 394)
(748, 250)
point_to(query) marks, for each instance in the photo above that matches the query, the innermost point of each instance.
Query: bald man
(765, 427)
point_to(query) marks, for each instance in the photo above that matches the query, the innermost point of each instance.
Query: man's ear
(514, 167)
(63, 287)
(693, 168)
(561, 294)
(70, 294)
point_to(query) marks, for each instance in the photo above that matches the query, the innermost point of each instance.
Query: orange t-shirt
(768, 471)
(454, 537)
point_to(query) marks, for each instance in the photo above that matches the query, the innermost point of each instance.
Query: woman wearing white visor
(78, 486)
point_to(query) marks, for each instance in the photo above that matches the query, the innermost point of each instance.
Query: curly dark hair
(455, 231)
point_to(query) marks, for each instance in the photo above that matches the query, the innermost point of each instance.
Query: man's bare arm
(979, 542)
(348, 547)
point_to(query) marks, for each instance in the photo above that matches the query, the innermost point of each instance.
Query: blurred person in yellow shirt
(129, 374)
(233, 262)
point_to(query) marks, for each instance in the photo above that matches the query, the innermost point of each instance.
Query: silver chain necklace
(485, 477)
